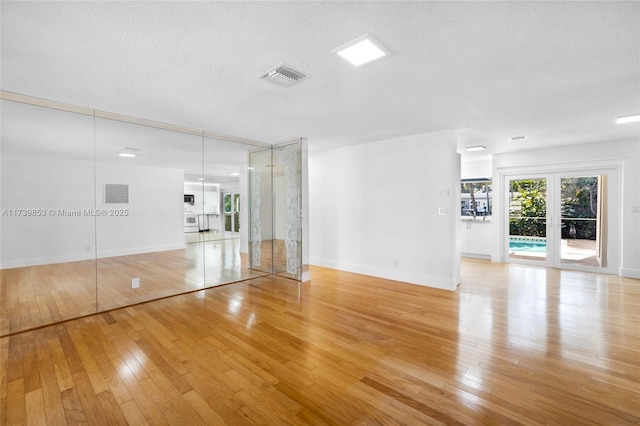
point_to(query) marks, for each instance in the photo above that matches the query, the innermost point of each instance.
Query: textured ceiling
(558, 72)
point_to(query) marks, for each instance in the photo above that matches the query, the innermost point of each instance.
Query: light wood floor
(514, 345)
(40, 295)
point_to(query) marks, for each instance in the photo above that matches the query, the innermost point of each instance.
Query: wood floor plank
(54, 411)
(111, 408)
(143, 404)
(16, 408)
(14, 361)
(164, 367)
(73, 410)
(204, 409)
(344, 349)
(34, 405)
(132, 413)
(88, 398)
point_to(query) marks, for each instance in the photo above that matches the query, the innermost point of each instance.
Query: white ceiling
(557, 72)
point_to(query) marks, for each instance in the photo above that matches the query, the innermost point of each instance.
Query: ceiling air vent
(283, 75)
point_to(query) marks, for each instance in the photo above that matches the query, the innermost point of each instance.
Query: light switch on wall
(442, 211)
(635, 209)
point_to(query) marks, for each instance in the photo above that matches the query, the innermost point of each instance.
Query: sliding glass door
(528, 219)
(583, 219)
(563, 219)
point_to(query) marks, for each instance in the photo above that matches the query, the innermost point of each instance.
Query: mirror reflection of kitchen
(211, 209)
(201, 209)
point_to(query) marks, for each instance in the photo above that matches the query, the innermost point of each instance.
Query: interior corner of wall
(630, 273)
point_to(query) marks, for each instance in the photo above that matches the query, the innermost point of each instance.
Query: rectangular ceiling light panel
(628, 119)
(363, 50)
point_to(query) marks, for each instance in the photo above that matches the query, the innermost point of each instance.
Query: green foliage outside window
(528, 207)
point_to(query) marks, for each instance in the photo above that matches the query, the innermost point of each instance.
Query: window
(476, 198)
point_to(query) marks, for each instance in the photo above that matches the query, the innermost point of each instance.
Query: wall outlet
(442, 211)
(135, 282)
(635, 209)
(87, 248)
(396, 263)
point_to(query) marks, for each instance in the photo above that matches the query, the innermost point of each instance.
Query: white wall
(46, 184)
(626, 153)
(154, 223)
(156, 210)
(471, 169)
(374, 209)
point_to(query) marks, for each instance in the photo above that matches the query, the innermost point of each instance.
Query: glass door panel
(227, 203)
(231, 203)
(260, 211)
(528, 219)
(236, 212)
(581, 226)
(564, 220)
(276, 222)
(287, 183)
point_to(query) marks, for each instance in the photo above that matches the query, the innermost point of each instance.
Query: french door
(231, 208)
(563, 219)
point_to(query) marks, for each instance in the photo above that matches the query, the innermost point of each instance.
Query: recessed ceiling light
(362, 50)
(475, 148)
(517, 138)
(200, 178)
(234, 174)
(633, 118)
(127, 155)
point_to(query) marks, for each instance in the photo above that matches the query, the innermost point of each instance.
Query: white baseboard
(476, 256)
(76, 257)
(389, 274)
(140, 250)
(35, 261)
(630, 273)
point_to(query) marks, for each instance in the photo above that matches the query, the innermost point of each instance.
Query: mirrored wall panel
(99, 213)
(276, 210)
(142, 214)
(261, 224)
(224, 220)
(47, 228)
(287, 210)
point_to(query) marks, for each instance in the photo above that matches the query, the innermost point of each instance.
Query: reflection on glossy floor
(514, 345)
(573, 251)
(40, 295)
(199, 237)
(580, 252)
